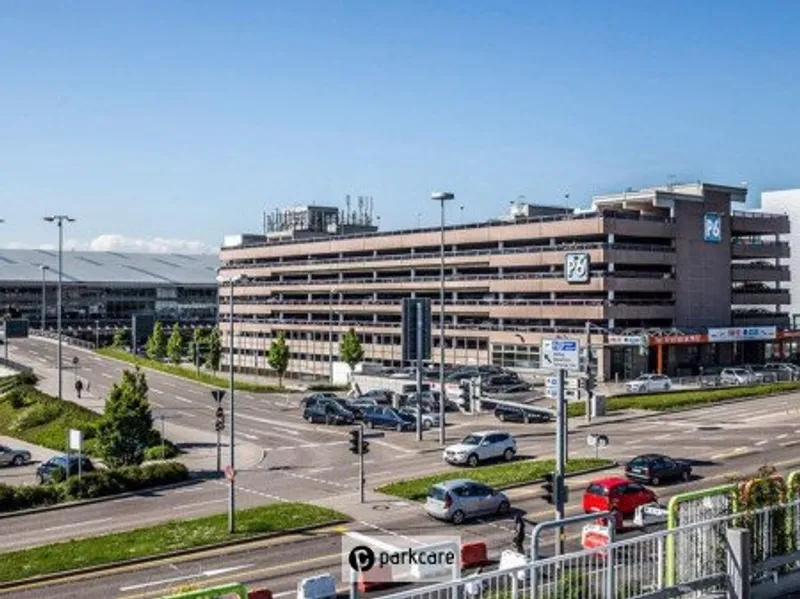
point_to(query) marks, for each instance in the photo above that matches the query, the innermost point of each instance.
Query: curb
(82, 502)
(534, 481)
(181, 552)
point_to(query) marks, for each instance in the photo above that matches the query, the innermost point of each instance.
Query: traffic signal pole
(418, 341)
(361, 462)
(561, 457)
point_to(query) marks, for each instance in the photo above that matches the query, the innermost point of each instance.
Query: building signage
(679, 339)
(712, 227)
(635, 340)
(576, 267)
(741, 334)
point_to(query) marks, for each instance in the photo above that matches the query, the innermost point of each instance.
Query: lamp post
(44, 268)
(330, 335)
(59, 219)
(231, 488)
(442, 197)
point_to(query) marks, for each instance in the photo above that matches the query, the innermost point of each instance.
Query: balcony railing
(566, 247)
(488, 303)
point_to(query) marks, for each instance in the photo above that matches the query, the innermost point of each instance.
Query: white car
(480, 447)
(648, 383)
(736, 376)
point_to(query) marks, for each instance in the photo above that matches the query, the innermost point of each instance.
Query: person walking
(78, 387)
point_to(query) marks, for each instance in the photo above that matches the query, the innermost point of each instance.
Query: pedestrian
(519, 534)
(78, 387)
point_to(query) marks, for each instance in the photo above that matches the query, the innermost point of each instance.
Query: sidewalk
(199, 445)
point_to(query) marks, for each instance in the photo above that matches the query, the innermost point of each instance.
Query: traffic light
(220, 424)
(549, 488)
(357, 445)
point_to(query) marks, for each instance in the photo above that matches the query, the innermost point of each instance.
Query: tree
(278, 357)
(126, 427)
(175, 346)
(350, 349)
(156, 346)
(214, 354)
(120, 338)
(199, 337)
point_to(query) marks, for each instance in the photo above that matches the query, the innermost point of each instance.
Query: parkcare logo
(363, 558)
(383, 558)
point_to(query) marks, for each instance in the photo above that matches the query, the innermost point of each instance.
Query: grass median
(679, 400)
(157, 540)
(187, 373)
(499, 476)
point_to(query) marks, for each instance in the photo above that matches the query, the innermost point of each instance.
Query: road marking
(252, 491)
(206, 574)
(762, 442)
(199, 503)
(790, 443)
(159, 391)
(739, 451)
(108, 376)
(246, 436)
(76, 524)
(318, 470)
(183, 399)
(783, 436)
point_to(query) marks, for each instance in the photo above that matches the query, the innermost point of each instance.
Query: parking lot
(25, 474)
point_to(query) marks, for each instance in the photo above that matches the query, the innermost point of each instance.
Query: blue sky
(185, 120)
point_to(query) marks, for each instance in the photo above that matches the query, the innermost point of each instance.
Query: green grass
(187, 373)
(677, 400)
(498, 475)
(155, 540)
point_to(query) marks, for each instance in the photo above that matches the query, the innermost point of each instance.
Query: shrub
(27, 378)
(36, 415)
(15, 398)
(154, 452)
(30, 496)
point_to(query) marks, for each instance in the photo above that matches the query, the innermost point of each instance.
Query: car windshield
(471, 440)
(436, 493)
(639, 461)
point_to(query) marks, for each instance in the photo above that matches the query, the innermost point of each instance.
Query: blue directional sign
(560, 354)
(712, 227)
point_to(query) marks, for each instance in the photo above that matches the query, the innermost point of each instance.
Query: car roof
(489, 432)
(610, 481)
(457, 482)
(648, 456)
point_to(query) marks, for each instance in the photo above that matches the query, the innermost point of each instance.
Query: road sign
(15, 328)
(75, 360)
(569, 394)
(75, 439)
(576, 267)
(597, 440)
(561, 354)
(409, 328)
(218, 394)
(230, 473)
(551, 382)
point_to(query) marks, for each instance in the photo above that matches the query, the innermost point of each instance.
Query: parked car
(429, 419)
(383, 417)
(616, 493)
(784, 370)
(481, 447)
(654, 468)
(506, 413)
(380, 396)
(649, 383)
(66, 465)
(458, 500)
(13, 457)
(760, 373)
(329, 412)
(309, 400)
(736, 376)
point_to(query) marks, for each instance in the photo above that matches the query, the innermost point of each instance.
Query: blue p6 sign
(712, 227)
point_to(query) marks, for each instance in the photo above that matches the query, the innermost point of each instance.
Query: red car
(616, 493)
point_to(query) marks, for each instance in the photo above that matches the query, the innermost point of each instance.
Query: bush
(154, 452)
(15, 398)
(27, 378)
(29, 496)
(36, 415)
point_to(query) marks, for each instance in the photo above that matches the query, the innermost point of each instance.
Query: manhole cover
(709, 428)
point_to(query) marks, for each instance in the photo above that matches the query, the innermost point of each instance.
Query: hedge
(98, 483)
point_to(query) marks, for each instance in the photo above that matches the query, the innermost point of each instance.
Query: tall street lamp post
(59, 219)
(442, 197)
(44, 268)
(231, 282)
(330, 334)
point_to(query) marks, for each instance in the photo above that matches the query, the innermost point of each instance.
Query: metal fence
(637, 567)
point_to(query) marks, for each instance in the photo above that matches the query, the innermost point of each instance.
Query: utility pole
(361, 449)
(589, 382)
(419, 343)
(561, 457)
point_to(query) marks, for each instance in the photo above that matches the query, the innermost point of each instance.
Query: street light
(231, 489)
(59, 219)
(441, 196)
(44, 268)
(330, 334)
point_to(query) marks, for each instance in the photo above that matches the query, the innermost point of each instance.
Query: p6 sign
(712, 227)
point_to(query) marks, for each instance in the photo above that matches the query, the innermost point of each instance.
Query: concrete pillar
(610, 238)
(738, 540)
(611, 295)
(552, 296)
(552, 322)
(611, 324)
(552, 241)
(610, 267)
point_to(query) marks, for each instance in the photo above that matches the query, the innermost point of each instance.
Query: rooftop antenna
(671, 183)
(347, 209)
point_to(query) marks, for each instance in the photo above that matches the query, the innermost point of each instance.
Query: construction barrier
(474, 554)
(226, 590)
(594, 536)
(259, 594)
(317, 587)
(378, 577)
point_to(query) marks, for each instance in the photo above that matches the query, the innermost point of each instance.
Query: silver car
(429, 419)
(13, 457)
(460, 499)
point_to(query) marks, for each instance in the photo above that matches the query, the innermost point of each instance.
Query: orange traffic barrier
(474, 555)
(259, 594)
(595, 536)
(377, 577)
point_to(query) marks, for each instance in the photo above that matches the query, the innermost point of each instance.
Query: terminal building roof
(115, 268)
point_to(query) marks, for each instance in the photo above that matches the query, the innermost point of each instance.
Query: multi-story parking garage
(672, 259)
(108, 287)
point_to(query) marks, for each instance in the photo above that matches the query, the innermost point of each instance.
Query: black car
(654, 468)
(515, 414)
(381, 396)
(66, 465)
(310, 400)
(329, 412)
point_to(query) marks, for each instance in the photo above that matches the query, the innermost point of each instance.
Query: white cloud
(111, 242)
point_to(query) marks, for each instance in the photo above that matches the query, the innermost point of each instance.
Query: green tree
(350, 349)
(120, 338)
(199, 338)
(175, 346)
(278, 357)
(126, 427)
(156, 346)
(214, 354)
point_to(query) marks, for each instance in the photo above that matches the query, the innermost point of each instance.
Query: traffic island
(173, 538)
(499, 476)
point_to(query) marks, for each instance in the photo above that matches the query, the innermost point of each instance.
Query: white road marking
(318, 470)
(206, 574)
(76, 524)
(762, 442)
(783, 436)
(183, 399)
(159, 391)
(108, 376)
(198, 504)
(246, 436)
